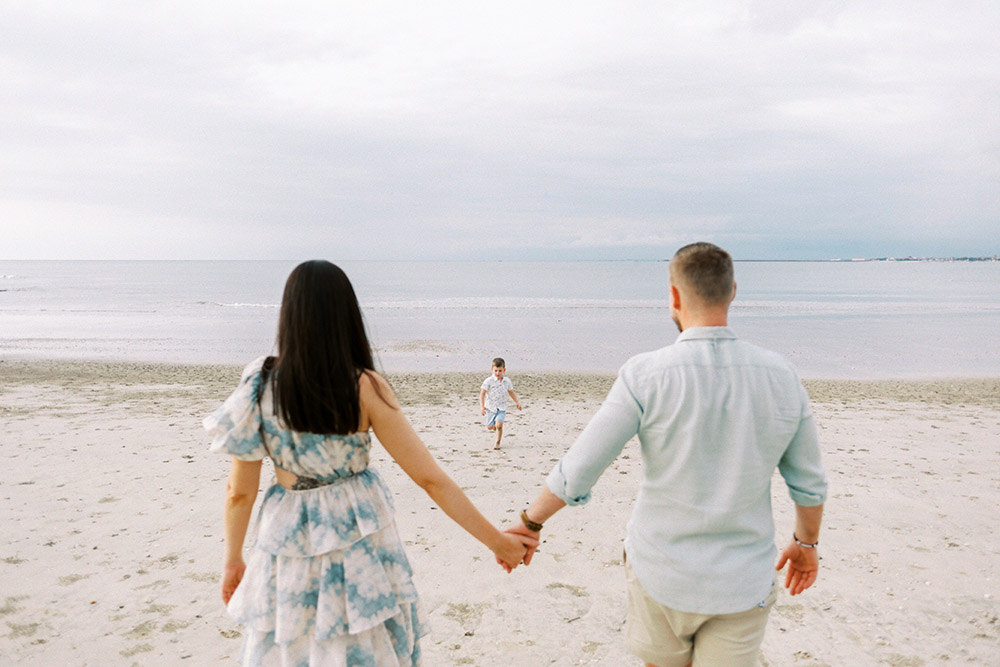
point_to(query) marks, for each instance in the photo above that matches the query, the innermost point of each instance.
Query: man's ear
(675, 298)
(734, 292)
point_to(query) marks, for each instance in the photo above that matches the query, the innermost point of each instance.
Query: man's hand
(482, 410)
(511, 551)
(521, 529)
(803, 566)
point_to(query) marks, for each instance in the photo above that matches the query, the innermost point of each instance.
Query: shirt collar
(706, 333)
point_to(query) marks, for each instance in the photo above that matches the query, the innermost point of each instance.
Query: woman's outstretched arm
(381, 409)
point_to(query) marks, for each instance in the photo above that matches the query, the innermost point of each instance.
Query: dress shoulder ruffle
(235, 425)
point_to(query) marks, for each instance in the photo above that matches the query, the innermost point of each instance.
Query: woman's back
(327, 543)
(328, 582)
(250, 411)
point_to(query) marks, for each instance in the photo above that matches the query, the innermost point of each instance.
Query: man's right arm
(599, 444)
(576, 472)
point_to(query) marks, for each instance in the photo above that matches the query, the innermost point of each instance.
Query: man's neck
(706, 320)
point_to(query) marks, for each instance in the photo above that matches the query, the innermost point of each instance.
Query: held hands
(528, 538)
(803, 566)
(232, 575)
(512, 550)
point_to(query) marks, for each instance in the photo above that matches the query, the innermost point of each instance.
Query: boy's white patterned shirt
(496, 392)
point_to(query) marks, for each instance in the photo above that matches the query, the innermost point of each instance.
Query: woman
(328, 582)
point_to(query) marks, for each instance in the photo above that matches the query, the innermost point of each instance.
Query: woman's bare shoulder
(375, 390)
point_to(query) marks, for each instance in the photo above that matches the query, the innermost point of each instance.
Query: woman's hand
(232, 575)
(511, 549)
(521, 530)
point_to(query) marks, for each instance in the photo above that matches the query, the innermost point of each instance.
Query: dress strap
(265, 369)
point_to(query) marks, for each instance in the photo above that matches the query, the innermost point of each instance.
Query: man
(714, 416)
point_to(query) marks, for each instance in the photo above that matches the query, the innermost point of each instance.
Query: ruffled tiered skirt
(328, 582)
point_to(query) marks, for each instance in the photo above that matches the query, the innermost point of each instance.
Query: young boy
(493, 398)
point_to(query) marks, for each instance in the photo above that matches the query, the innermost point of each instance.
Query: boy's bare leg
(499, 435)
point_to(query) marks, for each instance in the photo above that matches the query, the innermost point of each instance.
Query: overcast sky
(538, 130)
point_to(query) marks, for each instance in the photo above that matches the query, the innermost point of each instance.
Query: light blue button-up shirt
(715, 416)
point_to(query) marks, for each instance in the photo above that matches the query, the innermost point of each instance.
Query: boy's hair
(499, 363)
(705, 268)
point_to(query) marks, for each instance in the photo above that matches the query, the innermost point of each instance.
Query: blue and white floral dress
(328, 582)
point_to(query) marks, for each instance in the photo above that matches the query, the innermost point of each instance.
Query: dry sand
(111, 524)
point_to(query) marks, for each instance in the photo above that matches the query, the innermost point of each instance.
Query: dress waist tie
(293, 482)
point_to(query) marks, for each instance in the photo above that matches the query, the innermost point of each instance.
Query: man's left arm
(802, 555)
(801, 464)
(803, 472)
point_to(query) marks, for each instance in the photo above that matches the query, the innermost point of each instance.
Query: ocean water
(832, 319)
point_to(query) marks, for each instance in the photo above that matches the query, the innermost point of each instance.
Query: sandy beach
(112, 533)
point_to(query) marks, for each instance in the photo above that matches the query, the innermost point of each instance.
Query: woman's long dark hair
(322, 351)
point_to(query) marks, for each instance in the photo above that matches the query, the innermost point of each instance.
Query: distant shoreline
(983, 258)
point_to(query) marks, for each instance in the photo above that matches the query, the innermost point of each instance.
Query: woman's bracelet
(529, 524)
(803, 544)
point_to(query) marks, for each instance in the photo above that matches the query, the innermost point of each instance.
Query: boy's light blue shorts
(494, 417)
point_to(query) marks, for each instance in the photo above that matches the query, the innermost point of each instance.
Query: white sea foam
(249, 305)
(514, 303)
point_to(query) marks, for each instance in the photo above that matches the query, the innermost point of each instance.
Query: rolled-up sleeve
(598, 445)
(801, 466)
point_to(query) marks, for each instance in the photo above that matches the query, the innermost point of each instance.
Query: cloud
(437, 127)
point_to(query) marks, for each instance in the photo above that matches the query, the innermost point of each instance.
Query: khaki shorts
(669, 638)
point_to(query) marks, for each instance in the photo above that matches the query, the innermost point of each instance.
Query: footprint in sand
(10, 605)
(22, 629)
(466, 615)
(135, 650)
(72, 579)
(573, 602)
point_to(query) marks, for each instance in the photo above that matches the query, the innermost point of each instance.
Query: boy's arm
(482, 401)
(514, 396)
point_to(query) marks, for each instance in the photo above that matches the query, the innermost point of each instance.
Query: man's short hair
(706, 269)
(499, 363)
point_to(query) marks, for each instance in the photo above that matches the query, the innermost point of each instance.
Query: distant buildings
(994, 258)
